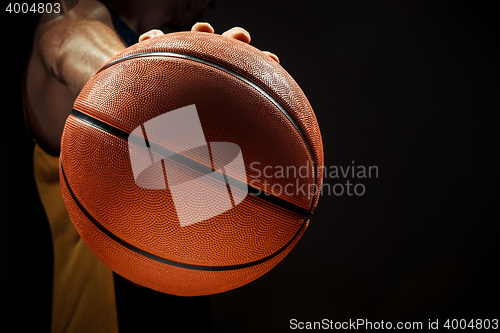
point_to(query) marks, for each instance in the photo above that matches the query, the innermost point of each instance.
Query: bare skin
(68, 51)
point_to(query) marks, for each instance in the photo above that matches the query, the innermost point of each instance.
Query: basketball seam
(255, 192)
(223, 68)
(245, 79)
(154, 257)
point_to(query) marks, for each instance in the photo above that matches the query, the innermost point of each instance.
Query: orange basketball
(191, 163)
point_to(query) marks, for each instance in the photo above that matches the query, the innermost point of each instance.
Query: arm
(73, 49)
(67, 52)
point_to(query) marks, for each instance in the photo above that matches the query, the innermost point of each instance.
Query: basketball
(191, 163)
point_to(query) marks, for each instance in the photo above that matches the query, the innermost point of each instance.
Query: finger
(150, 34)
(238, 33)
(272, 55)
(203, 27)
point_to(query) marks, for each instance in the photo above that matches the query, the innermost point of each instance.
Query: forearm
(74, 51)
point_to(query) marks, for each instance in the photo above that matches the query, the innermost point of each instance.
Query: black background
(411, 87)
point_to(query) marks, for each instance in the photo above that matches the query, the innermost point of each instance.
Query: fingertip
(272, 56)
(150, 34)
(239, 34)
(203, 27)
(143, 37)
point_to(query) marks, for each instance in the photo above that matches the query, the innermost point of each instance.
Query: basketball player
(67, 51)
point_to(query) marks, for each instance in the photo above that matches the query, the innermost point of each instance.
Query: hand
(236, 33)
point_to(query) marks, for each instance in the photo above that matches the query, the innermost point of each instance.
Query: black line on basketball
(203, 169)
(163, 260)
